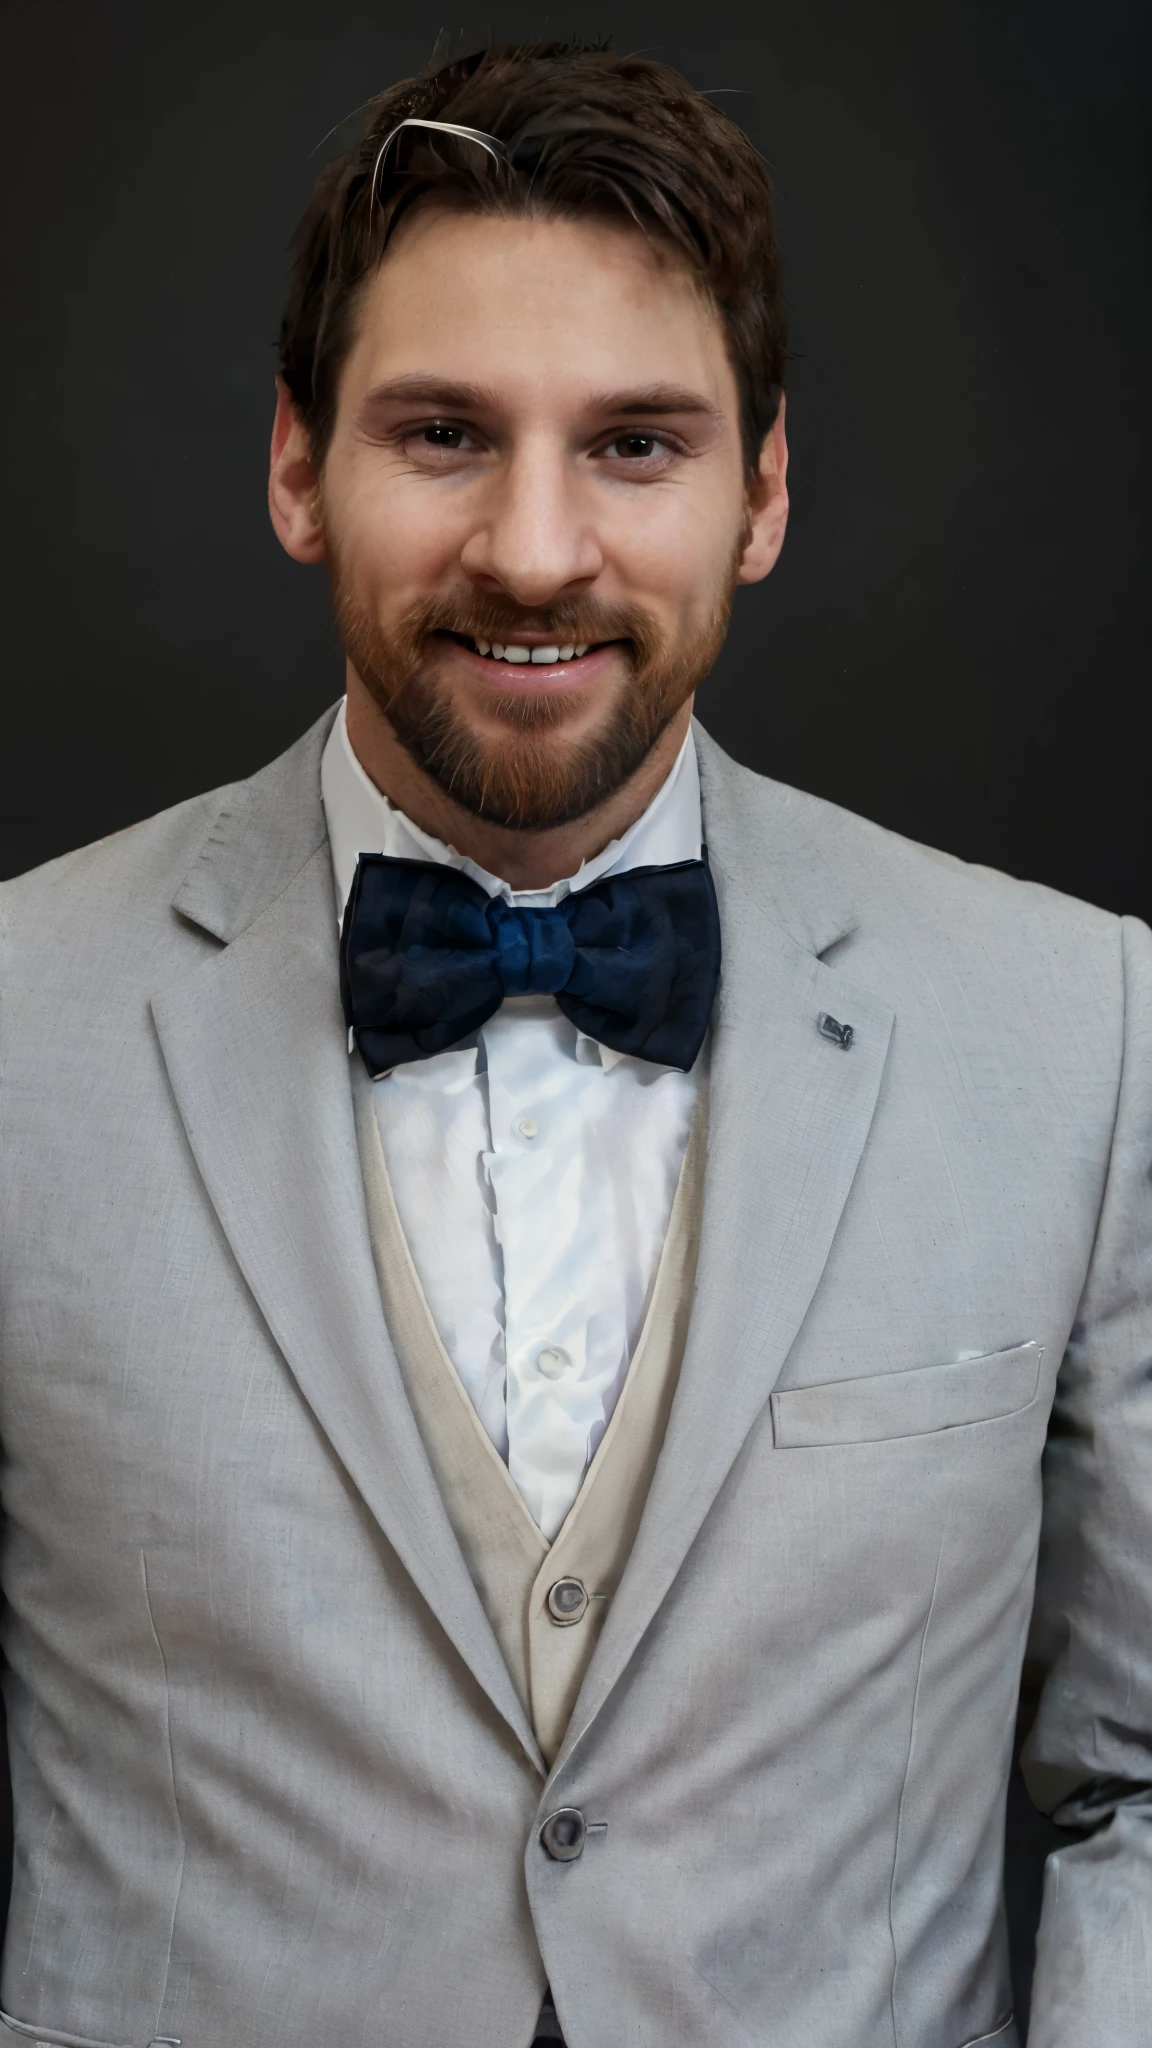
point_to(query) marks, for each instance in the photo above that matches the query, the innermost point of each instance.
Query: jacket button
(563, 1834)
(567, 1602)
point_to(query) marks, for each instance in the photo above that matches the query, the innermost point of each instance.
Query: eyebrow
(658, 398)
(451, 396)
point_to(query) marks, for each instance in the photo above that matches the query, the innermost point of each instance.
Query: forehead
(544, 311)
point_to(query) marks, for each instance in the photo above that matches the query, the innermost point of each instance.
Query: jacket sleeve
(1088, 1760)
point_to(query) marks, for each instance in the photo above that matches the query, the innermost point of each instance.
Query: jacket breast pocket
(916, 1403)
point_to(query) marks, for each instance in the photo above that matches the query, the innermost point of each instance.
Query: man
(539, 1269)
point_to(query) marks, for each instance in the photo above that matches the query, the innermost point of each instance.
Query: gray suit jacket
(273, 1784)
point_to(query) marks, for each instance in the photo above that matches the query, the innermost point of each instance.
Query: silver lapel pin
(840, 1034)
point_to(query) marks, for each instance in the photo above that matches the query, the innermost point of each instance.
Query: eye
(434, 443)
(440, 436)
(639, 454)
(635, 447)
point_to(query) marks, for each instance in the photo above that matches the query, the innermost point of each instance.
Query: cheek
(396, 539)
(675, 550)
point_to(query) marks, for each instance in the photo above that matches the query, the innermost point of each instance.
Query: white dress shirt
(533, 1168)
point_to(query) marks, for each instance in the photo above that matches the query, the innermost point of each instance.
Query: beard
(532, 777)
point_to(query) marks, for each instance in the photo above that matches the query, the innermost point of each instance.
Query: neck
(525, 860)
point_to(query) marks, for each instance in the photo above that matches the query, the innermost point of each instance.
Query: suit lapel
(255, 1048)
(789, 1115)
(256, 1051)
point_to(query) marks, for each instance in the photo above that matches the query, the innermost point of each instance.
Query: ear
(293, 484)
(767, 500)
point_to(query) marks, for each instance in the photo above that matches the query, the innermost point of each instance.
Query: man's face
(536, 450)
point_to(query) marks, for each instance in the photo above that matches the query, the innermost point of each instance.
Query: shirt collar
(360, 820)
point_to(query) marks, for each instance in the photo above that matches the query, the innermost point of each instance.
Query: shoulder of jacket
(128, 873)
(132, 878)
(889, 876)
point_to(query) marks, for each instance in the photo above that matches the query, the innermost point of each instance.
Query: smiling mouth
(518, 654)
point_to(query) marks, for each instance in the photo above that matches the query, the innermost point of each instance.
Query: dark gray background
(953, 642)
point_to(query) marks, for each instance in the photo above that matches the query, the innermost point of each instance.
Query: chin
(546, 717)
(539, 721)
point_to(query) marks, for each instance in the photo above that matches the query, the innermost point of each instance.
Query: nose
(533, 540)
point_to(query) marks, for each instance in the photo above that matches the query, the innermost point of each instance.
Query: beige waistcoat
(513, 1566)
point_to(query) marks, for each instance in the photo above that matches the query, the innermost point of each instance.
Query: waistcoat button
(563, 1834)
(567, 1602)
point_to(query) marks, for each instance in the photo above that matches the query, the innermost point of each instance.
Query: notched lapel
(256, 1050)
(790, 1111)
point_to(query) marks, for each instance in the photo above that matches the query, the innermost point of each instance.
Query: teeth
(543, 656)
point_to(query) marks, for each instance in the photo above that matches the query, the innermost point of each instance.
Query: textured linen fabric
(533, 1169)
(273, 1783)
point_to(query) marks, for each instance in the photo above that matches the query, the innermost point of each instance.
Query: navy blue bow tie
(426, 957)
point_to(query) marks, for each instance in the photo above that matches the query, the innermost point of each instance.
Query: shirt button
(552, 1361)
(528, 1127)
(567, 1602)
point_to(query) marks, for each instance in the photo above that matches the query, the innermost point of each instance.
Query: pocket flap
(29, 2036)
(915, 1403)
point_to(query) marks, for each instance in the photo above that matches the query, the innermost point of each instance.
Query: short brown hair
(585, 132)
